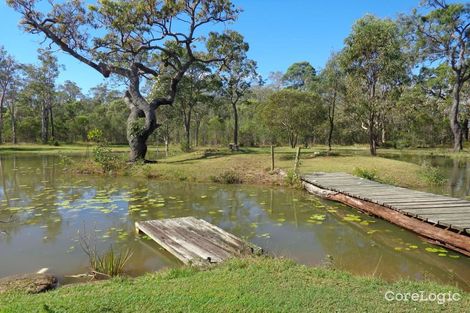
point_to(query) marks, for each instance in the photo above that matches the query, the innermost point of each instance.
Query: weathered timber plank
(426, 201)
(437, 211)
(428, 207)
(438, 205)
(179, 251)
(194, 241)
(204, 248)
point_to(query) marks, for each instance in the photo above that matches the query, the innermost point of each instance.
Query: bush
(103, 155)
(293, 179)
(370, 174)
(227, 177)
(185, 147)
(432, 175)
(95, 135)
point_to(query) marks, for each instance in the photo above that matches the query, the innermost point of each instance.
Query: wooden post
(297, 160)
(272, 158)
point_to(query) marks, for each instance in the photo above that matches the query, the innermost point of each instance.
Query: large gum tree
(135, 40)
(442, 35)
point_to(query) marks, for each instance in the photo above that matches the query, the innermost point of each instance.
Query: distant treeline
(396, 83)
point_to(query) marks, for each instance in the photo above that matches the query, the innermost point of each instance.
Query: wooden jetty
(440, 219)
(195, 241)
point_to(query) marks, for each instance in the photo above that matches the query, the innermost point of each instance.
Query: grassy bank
(255, 168)
(251, 165)
(249, 285)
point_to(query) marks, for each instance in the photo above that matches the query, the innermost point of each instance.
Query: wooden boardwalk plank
(436, 209)
(194, 241)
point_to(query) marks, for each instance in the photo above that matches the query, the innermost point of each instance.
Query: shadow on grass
(211, 154)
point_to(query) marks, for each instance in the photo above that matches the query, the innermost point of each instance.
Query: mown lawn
(252, 165)
(248, 285)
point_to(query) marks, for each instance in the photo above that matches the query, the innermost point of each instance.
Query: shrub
(103, 155)
(95, 135)
(370, 174)
(227, 177)
(431, 175)
(293, 179)
(185, 147)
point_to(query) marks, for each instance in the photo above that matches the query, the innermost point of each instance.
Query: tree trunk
(465, 129)
(2, 101)
(137, 135)
(167, 150)
(372, 137)
(187, 127)
(330, 133)
(454, 118)
(235, 125)
(197, 125)
(331, 116)
(44, 123)
(372, 118)
(13, 123)
(293, 140)
(52, 123)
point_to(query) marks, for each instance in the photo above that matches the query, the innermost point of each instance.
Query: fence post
(272, 158)
(297, 160)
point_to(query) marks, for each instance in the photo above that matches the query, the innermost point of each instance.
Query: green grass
(247, 285)
(252, 165)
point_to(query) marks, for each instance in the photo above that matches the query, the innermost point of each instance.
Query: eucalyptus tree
(331, 89)
(376, 66)
(442, 34)
(41, 90)
(237, 75)
(300, 75)
(197, 87)
(133, 40)
(8, 78)
(293, 114)
(47, 74)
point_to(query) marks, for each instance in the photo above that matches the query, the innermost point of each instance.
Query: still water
(47, 210)
(455, 170)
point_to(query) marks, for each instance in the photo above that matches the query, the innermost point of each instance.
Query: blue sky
(280, 32)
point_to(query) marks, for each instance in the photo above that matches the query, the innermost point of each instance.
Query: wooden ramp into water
(195, 241)
(443, 219)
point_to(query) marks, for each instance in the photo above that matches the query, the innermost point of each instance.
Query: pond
(455, 170)
(49, 210)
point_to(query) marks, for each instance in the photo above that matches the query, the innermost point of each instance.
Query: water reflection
(49, 207)
(456, 171)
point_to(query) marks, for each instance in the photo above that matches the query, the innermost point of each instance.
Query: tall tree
(442, 34)
(237, 76)
(47, 72)
(293, 114)
(299, 75)
(376, 65)
(8, 76)
(331, 88)
(136, 39)
(197, 86)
